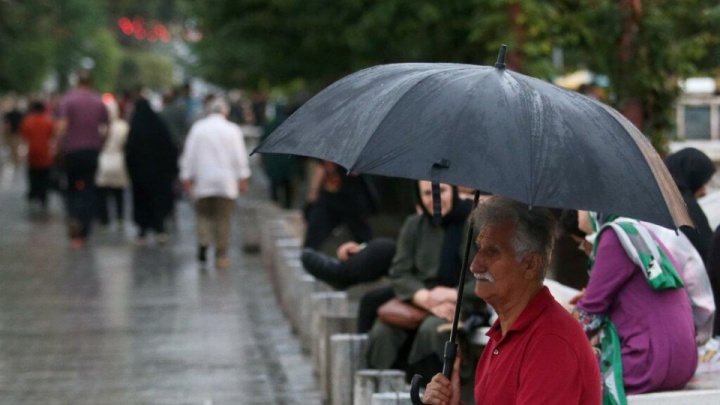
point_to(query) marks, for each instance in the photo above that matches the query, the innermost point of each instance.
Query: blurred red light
(108, 98)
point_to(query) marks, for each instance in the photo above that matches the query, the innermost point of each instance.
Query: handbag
(401, 314)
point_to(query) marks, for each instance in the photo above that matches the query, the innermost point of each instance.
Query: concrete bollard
(308, 286)
(292, 297)
(322, 304)
(391, 398)
(369, 382)
(331, 323)
(347, 355)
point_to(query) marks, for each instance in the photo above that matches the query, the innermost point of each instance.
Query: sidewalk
(121, 323)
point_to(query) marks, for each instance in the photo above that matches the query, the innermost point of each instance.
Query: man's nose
(475, 266)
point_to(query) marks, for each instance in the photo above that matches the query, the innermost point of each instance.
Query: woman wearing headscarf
(424, 272)
(151, 158)
(692, 170)
(636, 304)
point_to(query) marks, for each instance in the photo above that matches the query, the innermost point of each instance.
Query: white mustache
(484, 277)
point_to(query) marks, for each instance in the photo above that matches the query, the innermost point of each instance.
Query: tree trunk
(632, 109)
(515, 59)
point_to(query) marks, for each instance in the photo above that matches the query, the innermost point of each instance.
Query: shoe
(709, 357)
(222, 263)
(324, 268)
(162, 238)
(202, 254)
(77, 243)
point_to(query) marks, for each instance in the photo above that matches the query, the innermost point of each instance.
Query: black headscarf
(453, 223)
(691, 169)
(150, 152)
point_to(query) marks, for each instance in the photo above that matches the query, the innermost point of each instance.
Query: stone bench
(369, 383)
(391, 398)
(700, 397)
(702, 389)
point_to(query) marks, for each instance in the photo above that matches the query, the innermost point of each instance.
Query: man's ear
(532, 263)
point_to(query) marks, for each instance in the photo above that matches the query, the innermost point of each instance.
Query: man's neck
(510, 311)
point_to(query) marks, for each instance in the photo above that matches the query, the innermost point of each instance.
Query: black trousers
(38, 184)
(370, 264)
(110, 196)
(80, 167)
(282, 189)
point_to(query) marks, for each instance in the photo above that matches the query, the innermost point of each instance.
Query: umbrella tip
(500, 64)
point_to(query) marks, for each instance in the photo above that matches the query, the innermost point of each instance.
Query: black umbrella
(487, 128)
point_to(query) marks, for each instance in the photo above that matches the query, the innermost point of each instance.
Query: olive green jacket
(417, 260)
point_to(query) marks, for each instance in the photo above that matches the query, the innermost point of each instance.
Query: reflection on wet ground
(122, 323)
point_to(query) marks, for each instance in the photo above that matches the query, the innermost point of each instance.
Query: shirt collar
(529, 314)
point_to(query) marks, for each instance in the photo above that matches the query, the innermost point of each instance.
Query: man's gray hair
(535, 229)
(218, 105)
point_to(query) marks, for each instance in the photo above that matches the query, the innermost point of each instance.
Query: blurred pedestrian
(151, 158)
(83, 120)
(38, 129)
(11, 131)
(111, 177)
(280, 169)
(336, 198)
(692, 170)
(174, 114)
(215, 169)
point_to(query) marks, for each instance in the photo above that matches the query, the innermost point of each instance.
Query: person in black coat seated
(692, 170)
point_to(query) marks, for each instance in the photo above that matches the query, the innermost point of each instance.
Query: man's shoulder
(82, 97)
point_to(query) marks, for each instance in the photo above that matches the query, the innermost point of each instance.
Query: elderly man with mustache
(538, 353)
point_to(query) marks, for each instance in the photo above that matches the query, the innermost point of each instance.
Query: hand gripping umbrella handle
(448, 362)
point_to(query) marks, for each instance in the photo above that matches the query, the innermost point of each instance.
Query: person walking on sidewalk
(112, 177)
(214, 169)
(83, 120)
(152, 163)
(38, 129)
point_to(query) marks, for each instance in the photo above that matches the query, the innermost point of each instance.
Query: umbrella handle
(415, 389)
(448, 362)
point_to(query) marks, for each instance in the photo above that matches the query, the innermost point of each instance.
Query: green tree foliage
(43, 37)
(142, 68)
(24, 47)
(246, 42)
(670, 40)
(104, 50)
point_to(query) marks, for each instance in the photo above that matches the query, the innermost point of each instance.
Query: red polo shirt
(544, 358)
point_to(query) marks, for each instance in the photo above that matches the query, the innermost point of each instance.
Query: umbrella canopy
(486, 128)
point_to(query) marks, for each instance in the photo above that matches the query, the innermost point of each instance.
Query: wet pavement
(123, 323)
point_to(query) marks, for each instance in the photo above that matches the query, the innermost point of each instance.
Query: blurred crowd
(132, 155)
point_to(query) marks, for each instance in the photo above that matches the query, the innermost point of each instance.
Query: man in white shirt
(214, 169)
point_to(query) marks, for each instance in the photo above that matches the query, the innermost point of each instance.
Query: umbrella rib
(532, 193)
(389, 110)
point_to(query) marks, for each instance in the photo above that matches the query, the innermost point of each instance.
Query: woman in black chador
(151, 159)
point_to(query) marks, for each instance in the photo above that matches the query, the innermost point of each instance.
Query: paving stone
(121, 323)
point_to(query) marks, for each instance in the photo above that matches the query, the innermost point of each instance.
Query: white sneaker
(709, 357)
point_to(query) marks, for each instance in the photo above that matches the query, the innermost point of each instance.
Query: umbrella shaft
(461, 283)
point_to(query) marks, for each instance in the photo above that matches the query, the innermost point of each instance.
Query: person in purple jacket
(635, 302)
(83, 121)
